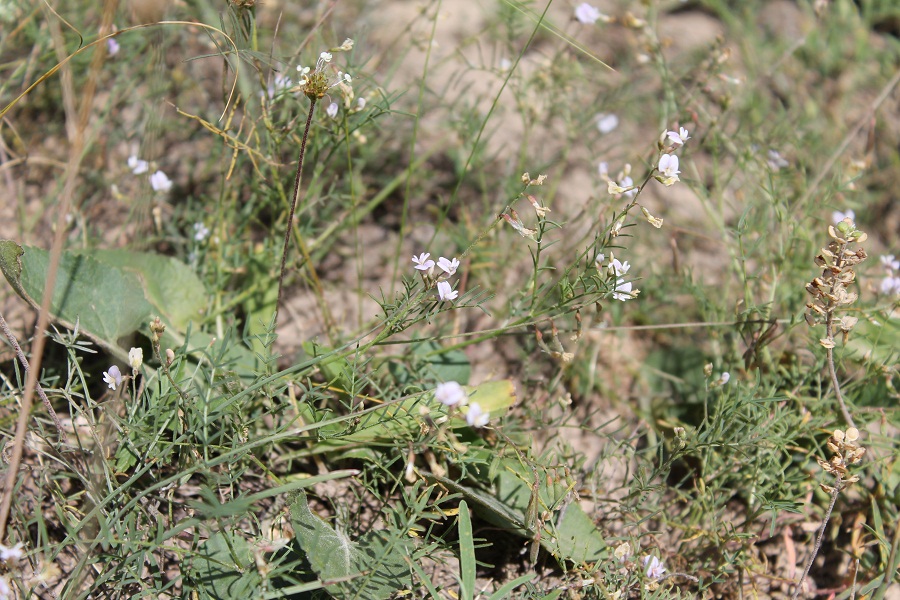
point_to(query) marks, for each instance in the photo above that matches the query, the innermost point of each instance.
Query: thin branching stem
(838, 484)
(40, 391)
(294, 197)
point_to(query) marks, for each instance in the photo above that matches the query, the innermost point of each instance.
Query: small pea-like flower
(890, 262)
(654, 566)
(476, 417)
(585, 13)
(630, 190)
(775, 161)
(112, 46)
(448, 266)
(512, 217)
(423, 263)
(450, 393)
(332, 110)
(113, 377)
(603, 170)
(623, 552)
(838, 216)
(890, 286)
(136, 358)
(623, 290)
(160, 182)
(445, 292)
(606, 122)
(201, 231)
(138, 166)
(618, 267)
(13, 553)
(668, 167)
(678, 137)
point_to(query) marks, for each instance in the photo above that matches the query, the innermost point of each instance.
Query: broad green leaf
(106, 302)
(169, 284)
(373, 567)
(224, 567)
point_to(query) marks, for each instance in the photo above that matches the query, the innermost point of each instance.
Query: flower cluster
(113, 376)
(616, 270)
(622, 185)
(315, 82)
(668, 162)
(452, 394)
(448, 266)
(159, 181)
(846, 452)
(890, 285)
(830, 290)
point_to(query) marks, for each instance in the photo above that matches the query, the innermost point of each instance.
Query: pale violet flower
(138, 166)
(668, 166)
(585, 13)
(201, 231)
(423, 263)
(476, 417)
(603, 170)
(13, 553)
(679, 137)
(626, 183)
(775, 161)
(449, 393)
(505, 64)
(890, 286)
(655, 568)
(280, 82)
(598, 261)
(606, 122)
(332, 110)
(618, 267)
(112, 46)
(445, 291)
(890, 262)
(160, 182)
(724, 378)
(623, 290)
(448, 266)
(838, 216)
(113, 377)
(360, 103)
(136, 358)
(5, 590)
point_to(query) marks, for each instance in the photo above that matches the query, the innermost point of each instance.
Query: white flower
(655, 568)
(136, 358)
(505, 64)
(445, 291)
(112, 46)
(13, 553)
(449, 393)
(137, 165)
(423, 263)
(891, 263)
(678, 138)
(606, 122)
(332, 110)
(626, 183)
(603, 170)
(775, 161)
(668, 166)
(476, 417)
(585, 13)
(619, 268)
(623, 290)
(724, 378)
(838, 216)
(160, 182)
(324, 57)
(315, 84)
(360, 103)
(5, 590)
(113, 377)
(200, 232)
(448, 266)
(890, 285)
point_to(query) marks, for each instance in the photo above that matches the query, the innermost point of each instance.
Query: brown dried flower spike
(846, 452)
